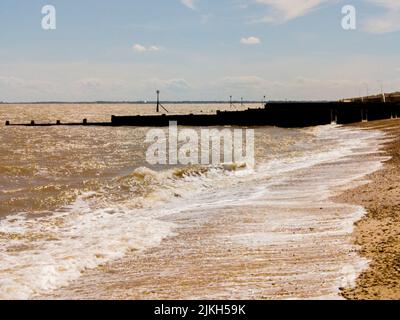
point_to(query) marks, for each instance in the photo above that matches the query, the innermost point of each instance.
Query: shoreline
(377, 234)
(298, 239)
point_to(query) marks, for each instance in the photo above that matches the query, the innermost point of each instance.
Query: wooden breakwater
(281, 114)
(295, 114)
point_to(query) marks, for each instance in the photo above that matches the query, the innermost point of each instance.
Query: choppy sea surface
(75, 198)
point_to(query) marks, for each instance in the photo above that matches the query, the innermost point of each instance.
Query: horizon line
(155, 102)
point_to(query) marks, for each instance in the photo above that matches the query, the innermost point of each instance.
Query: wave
(47, 252)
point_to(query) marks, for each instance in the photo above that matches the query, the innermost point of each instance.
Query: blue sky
(197, 49)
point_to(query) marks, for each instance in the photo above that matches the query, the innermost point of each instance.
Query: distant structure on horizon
(393, 97)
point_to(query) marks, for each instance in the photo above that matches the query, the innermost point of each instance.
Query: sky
(197, 50)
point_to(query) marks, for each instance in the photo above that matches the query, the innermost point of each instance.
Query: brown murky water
(83, 215)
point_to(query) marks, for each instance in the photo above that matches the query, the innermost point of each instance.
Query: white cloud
(280, 11)
(250, 40)
(154, 48)
(285, 10)
(189, 3)
(141, 49)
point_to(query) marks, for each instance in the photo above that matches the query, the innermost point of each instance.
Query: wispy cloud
(390, 4)
(154, 48)
(280, 11)
(141, 48)
(189, 3)
(99, 83)
(11, 81)
(386, 22)
(250, 41)
(246, 82)
(240, 4)
(174, 84)
(285, 10)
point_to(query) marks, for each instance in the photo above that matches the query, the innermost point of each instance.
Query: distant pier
(84, 122)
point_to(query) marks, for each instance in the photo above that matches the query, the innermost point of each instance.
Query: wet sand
(378, 233)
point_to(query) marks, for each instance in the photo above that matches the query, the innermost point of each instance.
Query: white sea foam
(41, 254)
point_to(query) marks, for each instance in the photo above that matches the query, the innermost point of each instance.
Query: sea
(83, 215)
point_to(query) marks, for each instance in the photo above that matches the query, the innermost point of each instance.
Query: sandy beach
(378, 233)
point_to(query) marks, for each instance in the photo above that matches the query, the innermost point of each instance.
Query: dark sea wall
(280, 114)
(294, 114)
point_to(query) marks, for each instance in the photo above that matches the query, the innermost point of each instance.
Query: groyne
(281, 114)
